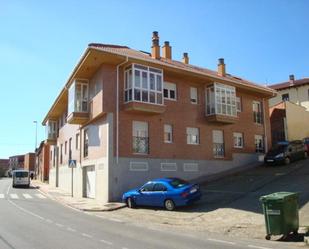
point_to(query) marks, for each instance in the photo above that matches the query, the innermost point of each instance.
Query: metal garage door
(90, 181)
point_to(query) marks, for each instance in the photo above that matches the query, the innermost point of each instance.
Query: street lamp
(36, 134)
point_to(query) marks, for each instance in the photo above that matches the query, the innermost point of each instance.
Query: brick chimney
(292, 79)
(185, 58)
(167, 50)
(155, 49)
(221, 67)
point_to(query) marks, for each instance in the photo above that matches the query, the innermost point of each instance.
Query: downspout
(265, 131)
(117, 109)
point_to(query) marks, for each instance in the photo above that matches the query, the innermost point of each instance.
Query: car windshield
(178, 183)
(21, 174)
(279, 148)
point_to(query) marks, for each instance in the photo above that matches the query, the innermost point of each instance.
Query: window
(70, 148)
(238, 140)
(168, 133)
(147, 187)
(61, 149)
(140, 137)
(192, 135)
(238, 104)
(259, 143)
(257, 112)
(159, 187)
(143, 84)
(65, 147)
(169, 91)
(77, 141)
(285, 97)
(86, 142)
(51, 129)
(168, 167)
(221, 99)
(218, 143)
(78, 96)
(193, 95)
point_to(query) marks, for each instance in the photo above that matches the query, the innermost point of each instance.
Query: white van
(21, 178)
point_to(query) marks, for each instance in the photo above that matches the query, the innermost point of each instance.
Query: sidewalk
(83, 204)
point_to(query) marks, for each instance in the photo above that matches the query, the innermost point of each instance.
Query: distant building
(42, 161)
(4, 166)
(16, 162)
(289, 110)
(29, 162)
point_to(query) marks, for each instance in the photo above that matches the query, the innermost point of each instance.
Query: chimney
(167, 50)
(155, 49)
(221, 67)
(292, 79)
(185, 58)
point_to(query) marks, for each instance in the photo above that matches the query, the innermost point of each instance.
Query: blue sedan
(164, 192)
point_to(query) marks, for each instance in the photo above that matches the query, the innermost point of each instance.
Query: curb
(68, 204)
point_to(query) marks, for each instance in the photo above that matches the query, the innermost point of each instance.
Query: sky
(41, 41)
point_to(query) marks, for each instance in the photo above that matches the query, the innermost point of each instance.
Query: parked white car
(21, 178)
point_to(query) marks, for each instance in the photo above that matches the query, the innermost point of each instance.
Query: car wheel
(169, 205)
(287, 161)
(130, 203)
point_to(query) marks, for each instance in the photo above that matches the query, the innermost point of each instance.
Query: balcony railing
(141, 145)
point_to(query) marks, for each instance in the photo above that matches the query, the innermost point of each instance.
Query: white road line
(114, 219)
(26, 211)
(71, 229)
(124, 248)
(106, 242)
(14, 196)
(40, 196)
(7, 191)
(222, 241)
(86, 235)
(27, 196)
(49, 221)
(258, 247)
(1, 196)
(59, 225)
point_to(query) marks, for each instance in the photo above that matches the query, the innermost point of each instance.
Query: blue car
(164, 192)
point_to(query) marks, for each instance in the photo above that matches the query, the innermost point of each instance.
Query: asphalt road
(28, 219)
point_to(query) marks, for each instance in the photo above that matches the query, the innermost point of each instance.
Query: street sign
(72, 163)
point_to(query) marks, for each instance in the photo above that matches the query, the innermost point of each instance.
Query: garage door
(90, 181)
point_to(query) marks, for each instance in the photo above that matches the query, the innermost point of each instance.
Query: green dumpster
(281, 213)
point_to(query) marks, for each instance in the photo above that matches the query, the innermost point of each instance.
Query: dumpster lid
(279, 196)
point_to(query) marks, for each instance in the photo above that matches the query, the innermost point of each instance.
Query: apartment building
(42, 161)
(16, 162)
(29, 161)
(289, 110)
(4, 167)
(126, 116)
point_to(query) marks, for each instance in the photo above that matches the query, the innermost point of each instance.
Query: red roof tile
(287, 84)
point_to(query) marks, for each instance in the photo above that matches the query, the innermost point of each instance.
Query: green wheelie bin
(281, 213)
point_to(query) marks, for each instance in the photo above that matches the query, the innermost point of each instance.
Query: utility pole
(35, 146)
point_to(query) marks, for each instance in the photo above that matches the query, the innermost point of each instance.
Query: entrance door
(90, 181)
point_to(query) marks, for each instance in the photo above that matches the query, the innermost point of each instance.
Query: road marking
(49, 221)
(114, 219)
(26, 211)
(86, 235)
(14, 196)
(59, 225)
(222, 241)
(1, 196)
(40, 196)
(27, 196)
(258, 247)
(106, 242)
(71, 229)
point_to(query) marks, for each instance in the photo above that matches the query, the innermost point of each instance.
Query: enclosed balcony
(78, 111)
(51, 132)
(221, 104)
(143, 89)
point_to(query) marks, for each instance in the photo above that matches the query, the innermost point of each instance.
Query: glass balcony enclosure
(51, 130)
(143, 84)
(221, 100)
(78, 96)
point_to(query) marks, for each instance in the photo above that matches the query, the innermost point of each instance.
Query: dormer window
(143, 84)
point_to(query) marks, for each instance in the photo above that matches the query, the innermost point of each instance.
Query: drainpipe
(265, 131)
(117, 109)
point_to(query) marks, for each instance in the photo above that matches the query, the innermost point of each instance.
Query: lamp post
(35, 146)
